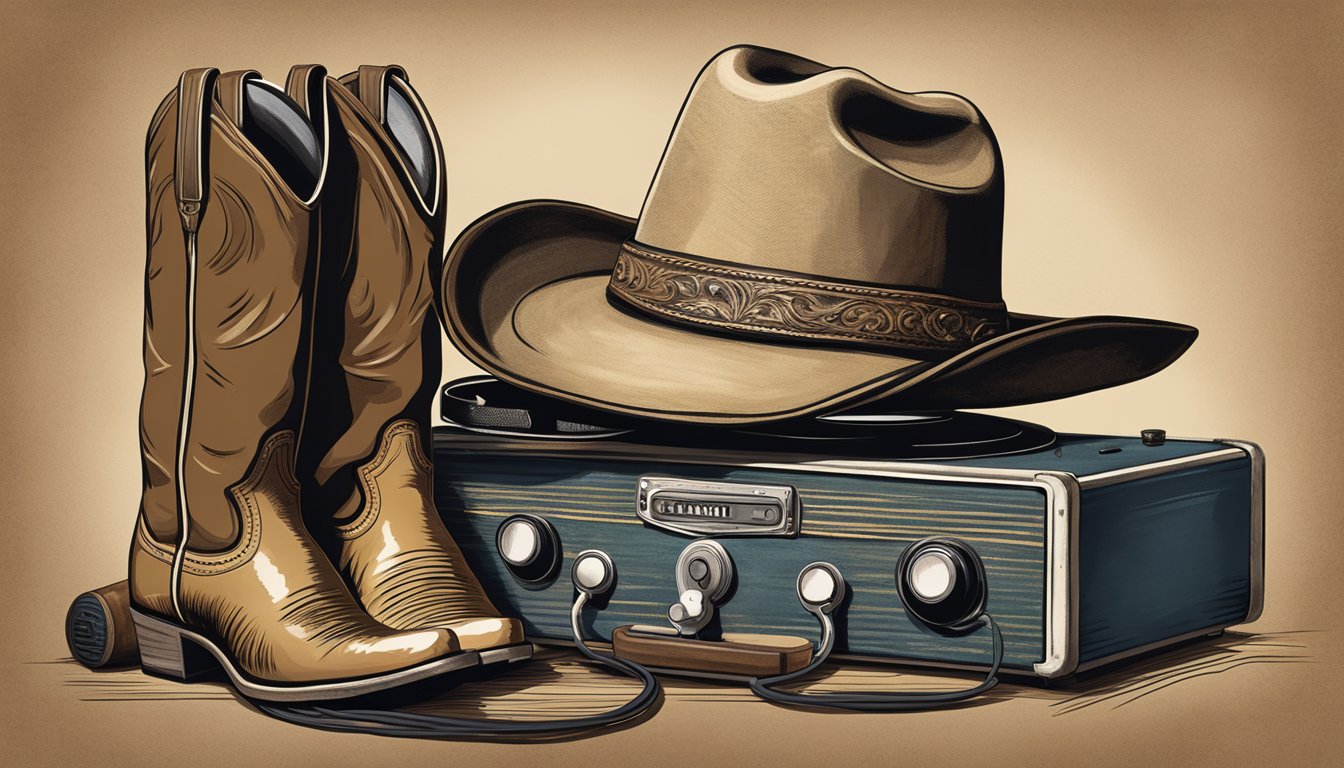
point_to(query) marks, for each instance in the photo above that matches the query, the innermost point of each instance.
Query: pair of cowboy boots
(291, 356)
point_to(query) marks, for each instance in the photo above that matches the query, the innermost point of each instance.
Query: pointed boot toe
(270, 610)
(484, 634)
(404, 565)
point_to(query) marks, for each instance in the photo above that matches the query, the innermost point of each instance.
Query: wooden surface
(559, 683)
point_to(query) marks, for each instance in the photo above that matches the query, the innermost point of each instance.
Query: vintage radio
(1084, 549)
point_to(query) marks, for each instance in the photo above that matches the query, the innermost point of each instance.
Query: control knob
(941, 582)
(529, 547)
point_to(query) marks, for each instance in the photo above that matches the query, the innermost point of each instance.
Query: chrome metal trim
(1061, 575)
(1103, 479)
(651, 487)
(1257, 456)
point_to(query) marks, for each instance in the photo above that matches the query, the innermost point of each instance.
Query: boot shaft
(377, 355)
(368, 486)
(227, 298)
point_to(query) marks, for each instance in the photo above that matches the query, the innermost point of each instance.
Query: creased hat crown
(780, 167)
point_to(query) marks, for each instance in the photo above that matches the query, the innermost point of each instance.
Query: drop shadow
(555, 686)
(559, 684)
(1125, 683)
(1117, 684)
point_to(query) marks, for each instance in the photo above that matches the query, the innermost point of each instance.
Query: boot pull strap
(231, 93)
(194, 91)
(305, 86)
(372, 85)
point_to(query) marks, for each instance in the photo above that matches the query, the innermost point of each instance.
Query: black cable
(415, 725)
(876, 701)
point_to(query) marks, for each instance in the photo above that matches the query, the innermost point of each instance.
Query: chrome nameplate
(714, 508)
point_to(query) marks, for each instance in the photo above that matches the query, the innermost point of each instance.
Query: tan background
(1181, 163)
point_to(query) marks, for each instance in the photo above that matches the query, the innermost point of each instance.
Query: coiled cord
(875, 701)
(424, 726)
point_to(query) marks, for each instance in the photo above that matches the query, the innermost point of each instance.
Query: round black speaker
(529, 547)
(941, 582)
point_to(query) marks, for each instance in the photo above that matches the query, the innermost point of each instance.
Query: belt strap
(372, 87)
(230, 88)
(190, 172)
(304, 85)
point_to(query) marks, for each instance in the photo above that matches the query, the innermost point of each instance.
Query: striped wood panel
(859, 523)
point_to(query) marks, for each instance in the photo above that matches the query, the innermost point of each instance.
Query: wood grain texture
(860, 524)
(559, 683)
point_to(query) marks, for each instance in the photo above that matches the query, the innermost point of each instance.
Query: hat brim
(525, 297)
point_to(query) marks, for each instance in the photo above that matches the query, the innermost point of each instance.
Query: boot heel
(165, 651)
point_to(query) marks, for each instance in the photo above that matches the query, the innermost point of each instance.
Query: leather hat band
(683, 289)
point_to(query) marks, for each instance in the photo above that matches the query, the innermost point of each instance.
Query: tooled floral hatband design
(688, 290)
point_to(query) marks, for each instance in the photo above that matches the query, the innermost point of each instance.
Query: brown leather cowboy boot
(222, 570)
(377, 370)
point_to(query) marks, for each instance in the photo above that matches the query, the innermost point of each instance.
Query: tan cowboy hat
(813, 241)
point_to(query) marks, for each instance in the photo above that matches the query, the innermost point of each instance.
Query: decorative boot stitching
(278, 448)
(372, 470)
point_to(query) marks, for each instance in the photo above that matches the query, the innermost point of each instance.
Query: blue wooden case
(1094, 549)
